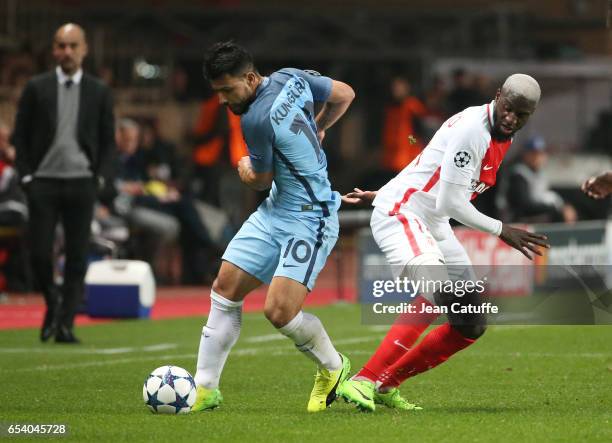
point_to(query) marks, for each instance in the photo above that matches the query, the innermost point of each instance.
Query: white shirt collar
(62, 78)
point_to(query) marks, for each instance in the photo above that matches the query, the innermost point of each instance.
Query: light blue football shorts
(279, 243)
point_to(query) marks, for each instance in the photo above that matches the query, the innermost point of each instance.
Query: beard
(242, 107)
(69, 66)
(501, 136)
(497, 133)
(239, 108)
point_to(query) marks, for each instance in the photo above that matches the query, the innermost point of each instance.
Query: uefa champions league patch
(462, 159)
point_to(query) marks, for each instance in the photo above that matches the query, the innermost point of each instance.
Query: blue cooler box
(120, 289)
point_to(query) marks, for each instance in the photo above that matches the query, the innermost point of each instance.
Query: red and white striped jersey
(461, 152)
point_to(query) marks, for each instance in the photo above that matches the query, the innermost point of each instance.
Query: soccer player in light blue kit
(286, 241)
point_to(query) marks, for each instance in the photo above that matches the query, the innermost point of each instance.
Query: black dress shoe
(65, 335)
(49, 326)
(47, 332)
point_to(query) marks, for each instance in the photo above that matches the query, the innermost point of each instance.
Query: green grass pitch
(515, 384)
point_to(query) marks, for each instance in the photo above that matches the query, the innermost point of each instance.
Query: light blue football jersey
(281, 136)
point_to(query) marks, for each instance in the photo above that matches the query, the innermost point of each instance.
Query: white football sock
(218, 336)
(309, 336)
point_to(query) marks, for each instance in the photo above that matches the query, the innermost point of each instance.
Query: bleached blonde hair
(522, 85)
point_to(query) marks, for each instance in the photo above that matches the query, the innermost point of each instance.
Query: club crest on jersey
(462, 159)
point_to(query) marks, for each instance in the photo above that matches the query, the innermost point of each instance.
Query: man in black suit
(64, 136)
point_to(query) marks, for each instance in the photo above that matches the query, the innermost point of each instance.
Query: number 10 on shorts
(300, 250)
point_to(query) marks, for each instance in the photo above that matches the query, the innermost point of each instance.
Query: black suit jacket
(36, 123)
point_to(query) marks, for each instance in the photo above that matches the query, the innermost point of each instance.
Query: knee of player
(277, 315)
(224, 287)
(443, 298)
(472, 332)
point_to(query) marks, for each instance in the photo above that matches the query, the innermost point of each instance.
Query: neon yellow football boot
(394, 400)
(207, 399)
(326, 383)
(359, 392)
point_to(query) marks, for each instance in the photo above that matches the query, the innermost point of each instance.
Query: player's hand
(523, 241)
(359, 197)
(244, 168)
(244, 163)
(598, 187)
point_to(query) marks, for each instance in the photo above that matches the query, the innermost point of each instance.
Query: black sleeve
(21, 137)
(106, 137)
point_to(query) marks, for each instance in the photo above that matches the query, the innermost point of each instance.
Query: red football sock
(435, 348)
(402, 335)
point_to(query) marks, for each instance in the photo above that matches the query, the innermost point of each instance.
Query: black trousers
(71, 202)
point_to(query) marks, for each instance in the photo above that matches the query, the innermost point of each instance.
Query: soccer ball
(169, 390)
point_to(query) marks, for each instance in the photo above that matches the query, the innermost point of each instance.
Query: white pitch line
(351, 341)
(276, 351)
(112, 351)
(94, 351)
(282, 351)
(280, 337)
(541, 354)
(492, 328)
(88, 364)
(510, 328)
(266, 338)
(159, 347)
(379, 328)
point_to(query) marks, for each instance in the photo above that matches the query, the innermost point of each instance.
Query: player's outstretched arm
(359, 197)
(260, 181)
(452, 202)
(598, 187)
(337, 103)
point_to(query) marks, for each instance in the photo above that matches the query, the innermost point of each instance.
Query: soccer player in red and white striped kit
(410, 223)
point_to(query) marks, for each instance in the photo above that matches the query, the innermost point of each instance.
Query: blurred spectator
(136, 192)
(13, 220)
(7, 150)
(527, 192)
(218, 142)
(400, 142)
(484, 89)
(106, 74)
(599, 137)
(159, 156)
(13, 209)
(63, 136)
(150, 229)
(179, 83)
(435, 102)
(16, 66)
(463, 93)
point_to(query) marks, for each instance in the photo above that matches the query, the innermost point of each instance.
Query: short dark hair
(227, 58)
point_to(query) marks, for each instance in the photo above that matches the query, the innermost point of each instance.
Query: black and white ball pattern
(169, 390)
(462, 159)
